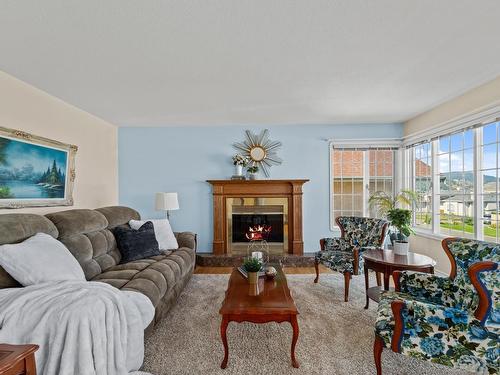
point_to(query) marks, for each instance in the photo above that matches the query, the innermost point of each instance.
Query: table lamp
(166, 202)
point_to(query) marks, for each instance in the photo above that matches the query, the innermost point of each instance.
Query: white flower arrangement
(240, 160)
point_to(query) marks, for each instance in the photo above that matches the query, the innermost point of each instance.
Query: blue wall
(181, 159)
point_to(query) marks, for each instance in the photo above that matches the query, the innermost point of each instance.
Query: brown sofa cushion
(154, 276)
(118, 215)
(72, 222)
(16, 228)
(84, 233)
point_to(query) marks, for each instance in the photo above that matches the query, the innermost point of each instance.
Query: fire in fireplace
(258, 232)
(252, 227)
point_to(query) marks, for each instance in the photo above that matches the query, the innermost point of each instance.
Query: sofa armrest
(186, 239)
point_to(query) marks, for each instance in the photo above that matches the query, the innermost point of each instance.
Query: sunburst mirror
(260, 150)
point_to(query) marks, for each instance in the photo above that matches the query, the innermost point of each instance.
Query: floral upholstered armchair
(455, 320)
(342, 253)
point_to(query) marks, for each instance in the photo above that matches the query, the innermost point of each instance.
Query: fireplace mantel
(289, 189)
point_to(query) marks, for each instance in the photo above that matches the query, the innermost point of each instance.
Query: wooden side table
(17, 359)
(387, 262)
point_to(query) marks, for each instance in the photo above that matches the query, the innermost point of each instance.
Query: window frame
(410, 179)
(376, 143)
(478, 169)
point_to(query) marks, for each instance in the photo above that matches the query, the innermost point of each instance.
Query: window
(421, 157)
(356, 173)
(488, 181)
(348, 175)
(457, 177)
(381, 173)
(455, 156)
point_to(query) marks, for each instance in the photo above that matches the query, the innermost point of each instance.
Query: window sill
(430, 235)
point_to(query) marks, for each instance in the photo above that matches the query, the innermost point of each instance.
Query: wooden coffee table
(273, 304)
(387, 262)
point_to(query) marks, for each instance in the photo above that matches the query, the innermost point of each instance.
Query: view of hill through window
(463, 165)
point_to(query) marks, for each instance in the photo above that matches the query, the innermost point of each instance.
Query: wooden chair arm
(322, 244)
(397, 311)
(445, 245)
(483, 310)
(355, 253)
(396, 276)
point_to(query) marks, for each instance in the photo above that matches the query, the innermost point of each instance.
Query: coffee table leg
(367, 285)
(295, 326)
(223, 329)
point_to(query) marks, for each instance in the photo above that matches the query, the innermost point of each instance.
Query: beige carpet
(335, 337)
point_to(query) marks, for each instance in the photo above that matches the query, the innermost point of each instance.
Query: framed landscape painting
(35, 171)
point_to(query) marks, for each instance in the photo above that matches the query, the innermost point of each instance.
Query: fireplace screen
(250, 218)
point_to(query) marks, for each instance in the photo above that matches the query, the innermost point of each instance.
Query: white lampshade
(166, 201)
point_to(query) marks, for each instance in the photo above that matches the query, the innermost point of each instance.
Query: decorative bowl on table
(270, 272)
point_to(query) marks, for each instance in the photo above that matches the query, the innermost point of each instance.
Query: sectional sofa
(88, 236)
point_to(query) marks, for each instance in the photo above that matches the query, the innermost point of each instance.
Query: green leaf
(442, 360)
(252, 264)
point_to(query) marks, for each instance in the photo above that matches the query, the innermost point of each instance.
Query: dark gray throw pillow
(136, 244)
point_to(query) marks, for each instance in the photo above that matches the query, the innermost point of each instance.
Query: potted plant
(239, 161)
(401, 219)
(252, 266)
(384, 203)
(252, 172)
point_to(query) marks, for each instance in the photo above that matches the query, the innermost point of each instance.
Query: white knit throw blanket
(82, 328)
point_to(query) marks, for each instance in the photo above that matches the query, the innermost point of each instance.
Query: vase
(238, 170)
(393, 237)
(401, 248)
(270, 272)
(253, 289)
(252, 176)
(253, 278)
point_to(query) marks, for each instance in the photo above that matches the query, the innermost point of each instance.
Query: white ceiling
(206, 62)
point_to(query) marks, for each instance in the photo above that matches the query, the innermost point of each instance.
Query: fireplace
(239, 205)
(248, 213)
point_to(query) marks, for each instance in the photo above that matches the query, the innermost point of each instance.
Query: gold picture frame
(35, 171)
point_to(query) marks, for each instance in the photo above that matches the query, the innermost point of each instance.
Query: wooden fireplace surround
(290, 189)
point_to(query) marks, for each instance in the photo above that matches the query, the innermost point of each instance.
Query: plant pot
(393, 236)
(252, 176)
(253, 278)
(238, 170)
(401, 247)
